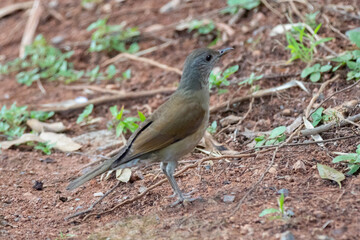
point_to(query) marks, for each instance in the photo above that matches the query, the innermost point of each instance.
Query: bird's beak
(224, 51)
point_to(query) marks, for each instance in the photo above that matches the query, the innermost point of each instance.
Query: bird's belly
(182, 147)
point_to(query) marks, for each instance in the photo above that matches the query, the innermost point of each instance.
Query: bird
(173, 129)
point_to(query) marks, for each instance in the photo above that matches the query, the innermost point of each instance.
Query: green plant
(318, 116)
(12, 120)
(310, 19)
(353, 160)
(202, 26)
(85, 114)
(112, 37)
(250, 81)
(297, 39)
(45, 147)
(220, 79)
(212, 128)
(42, 61)
(281, 214)
(63, 236)
(123, 124)
(276, 136)
(234, 5)
(315, 71)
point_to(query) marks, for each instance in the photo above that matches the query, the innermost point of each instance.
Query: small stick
(14, 7)
(276, 12)
(145, 60)
(31, 26)
(105, 99)
(120, 57)
(316, 96)
(328, 126)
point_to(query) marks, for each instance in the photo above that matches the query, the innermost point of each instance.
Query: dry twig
(31, 26)
(15, 7)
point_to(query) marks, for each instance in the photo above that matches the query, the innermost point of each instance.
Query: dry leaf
(27, 137)
(123, 175)
(38, 126)
(327, 172)
(60, 141)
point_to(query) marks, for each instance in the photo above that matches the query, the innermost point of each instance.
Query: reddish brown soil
(320, 207)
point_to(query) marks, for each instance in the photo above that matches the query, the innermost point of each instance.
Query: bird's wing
(172, 124)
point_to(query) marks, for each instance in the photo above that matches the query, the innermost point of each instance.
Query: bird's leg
(169, 169)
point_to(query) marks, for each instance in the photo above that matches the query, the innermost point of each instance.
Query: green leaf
(314, 77)
(307, 71)
(113, 111)
(119, 115)
(40, 115)
(347, 157)
(85, 114)
(317, 116)
(327, 172)
(119, 128)
(269, 211)
(325, 68)
(127, 74)
(97, 24)
(141, 116)
(353, 169)
(354, 36)
(111, 71)
(277, 131)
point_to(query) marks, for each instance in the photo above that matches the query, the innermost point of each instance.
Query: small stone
(38, 185)
(98, 194)
(246, 229)
(77, 199)
(63, 199)
(45, 207)
(106, 8)
(57, 39)
(286, 112)
(272, 170)
(283, 191)
(142, 189)
(229, 198)
(287, 236)
(299, 165)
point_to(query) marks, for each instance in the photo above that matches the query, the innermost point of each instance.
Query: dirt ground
(321, 210)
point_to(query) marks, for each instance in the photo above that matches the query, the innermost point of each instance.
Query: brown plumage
(174, 129)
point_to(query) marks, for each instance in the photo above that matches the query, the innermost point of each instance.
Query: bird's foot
(184, 199)
(185, 195)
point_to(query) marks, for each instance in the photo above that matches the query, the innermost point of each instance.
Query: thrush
(174, 129)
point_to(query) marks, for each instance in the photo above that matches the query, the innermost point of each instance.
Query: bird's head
(198, 66)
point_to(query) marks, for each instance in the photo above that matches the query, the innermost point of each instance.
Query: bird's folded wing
(172, 126)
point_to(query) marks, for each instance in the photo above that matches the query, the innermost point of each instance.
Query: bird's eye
(208, 58)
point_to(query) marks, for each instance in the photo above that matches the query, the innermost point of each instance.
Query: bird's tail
(90, 175)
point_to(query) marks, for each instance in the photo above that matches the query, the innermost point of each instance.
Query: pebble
(57, 39)
(142, 189)
(286, 112)
(38, 185)
(98, 194)
(272, 170)
(77, 199)
(229, 198)
(287, 236)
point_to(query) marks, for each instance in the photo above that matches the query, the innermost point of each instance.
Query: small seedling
(351, 59)
(202, 26)
(280, 212)
(318, 116)
(297, 39)
(220, 79)
(310, 19)
(212, 128)
(250, 81)
(42, 61)
(315, 71)
(123, 124)
(235, 5)
(12, 120)
(85, 114)
(44, 147)
(353, 160)
(276, 136)
(112, 37)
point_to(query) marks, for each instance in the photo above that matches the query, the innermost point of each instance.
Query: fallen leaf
(38, 126)
(27, 137)
(123, 175)
(60, 141)
(327, 172)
